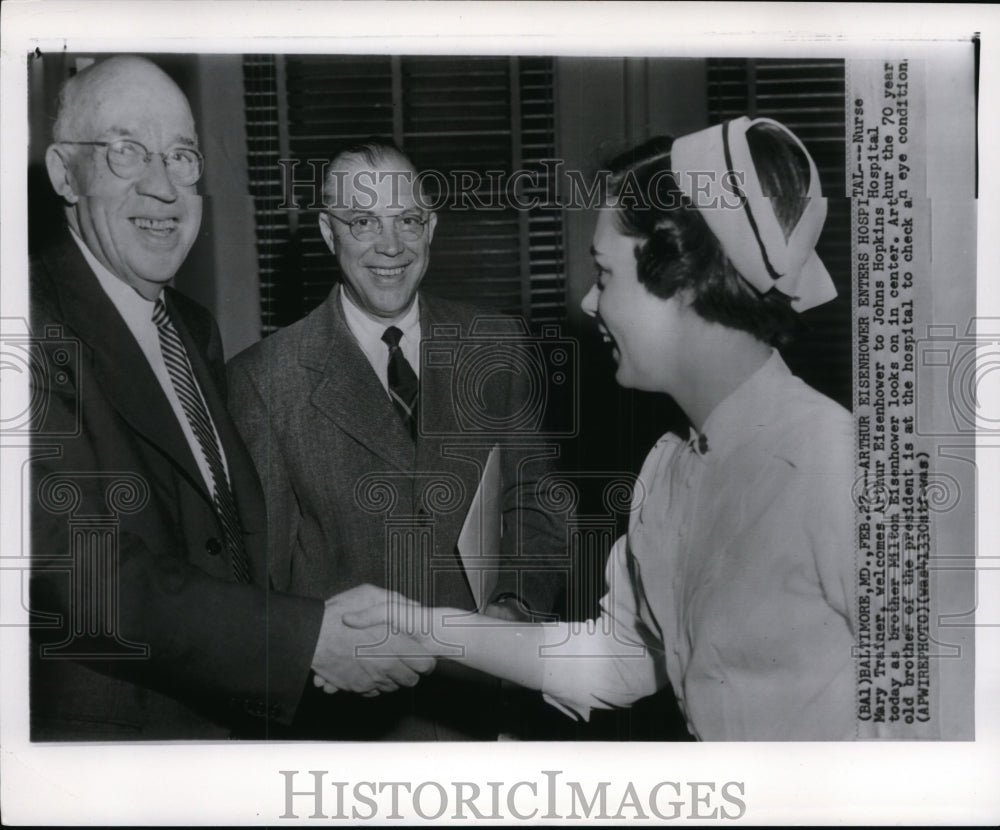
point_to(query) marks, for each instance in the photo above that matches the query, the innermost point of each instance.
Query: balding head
(138, 222)
(91, 97)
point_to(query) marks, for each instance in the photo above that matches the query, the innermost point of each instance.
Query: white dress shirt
(736, 580)
(137, 312)
(369, 333)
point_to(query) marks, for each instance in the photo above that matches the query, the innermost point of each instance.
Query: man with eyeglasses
(153, 617)
(367, 473)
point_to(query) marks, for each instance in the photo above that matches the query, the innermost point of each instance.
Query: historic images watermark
(551, 184)
(318, 794)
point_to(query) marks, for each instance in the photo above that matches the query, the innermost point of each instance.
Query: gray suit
(351, 498)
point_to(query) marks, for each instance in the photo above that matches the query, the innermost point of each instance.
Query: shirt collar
(370, 331)
(748, 408)
(133, 307)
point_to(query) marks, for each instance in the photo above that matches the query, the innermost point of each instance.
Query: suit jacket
(352, 499)
(139, 630)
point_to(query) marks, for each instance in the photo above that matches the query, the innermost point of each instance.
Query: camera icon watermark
(503, 381)
(49, 363)
(954, 370)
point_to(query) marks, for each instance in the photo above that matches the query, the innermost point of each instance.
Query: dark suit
(352, 499)
(112, 471)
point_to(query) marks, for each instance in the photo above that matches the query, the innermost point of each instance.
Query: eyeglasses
(409, 226)
(129, 159)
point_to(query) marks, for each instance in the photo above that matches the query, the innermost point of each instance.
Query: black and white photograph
(453, 413)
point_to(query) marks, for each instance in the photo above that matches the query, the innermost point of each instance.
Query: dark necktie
(403, 382)
(182, 377)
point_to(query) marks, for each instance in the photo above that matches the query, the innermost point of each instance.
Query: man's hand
(436, 630)
(369, 660)
(507, 648)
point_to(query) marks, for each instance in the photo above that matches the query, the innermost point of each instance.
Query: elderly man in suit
(149, 588)
(367, 470)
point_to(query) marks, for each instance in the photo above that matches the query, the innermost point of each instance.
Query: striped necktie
(403, 382)
(182, 377)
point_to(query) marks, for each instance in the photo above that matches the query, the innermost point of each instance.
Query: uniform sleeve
(828, 506)
(816, 496)
(604, 663)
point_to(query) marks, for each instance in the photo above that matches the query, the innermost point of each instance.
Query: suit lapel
(120, 367)
(348, 391)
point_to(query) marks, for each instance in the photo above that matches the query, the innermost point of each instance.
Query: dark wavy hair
(676, 251)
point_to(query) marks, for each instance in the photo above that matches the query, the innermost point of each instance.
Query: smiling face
(381, 275)
(646, 333)
(142, 228)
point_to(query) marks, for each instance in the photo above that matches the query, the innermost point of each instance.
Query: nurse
(735, 583)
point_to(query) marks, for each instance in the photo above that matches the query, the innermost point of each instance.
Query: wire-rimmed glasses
(368, 226)
(128, 159)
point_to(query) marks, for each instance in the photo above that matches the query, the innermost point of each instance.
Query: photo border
(205, 783)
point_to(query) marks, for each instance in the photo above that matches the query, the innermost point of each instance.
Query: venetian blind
(808, 97)
(472, 120)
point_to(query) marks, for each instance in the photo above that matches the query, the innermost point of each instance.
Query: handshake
(373, 641)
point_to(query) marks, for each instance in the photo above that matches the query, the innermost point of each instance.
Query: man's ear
(326, 228)
(432, 221)
(61, 175)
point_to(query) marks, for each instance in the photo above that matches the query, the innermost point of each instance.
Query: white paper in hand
(479, 541)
